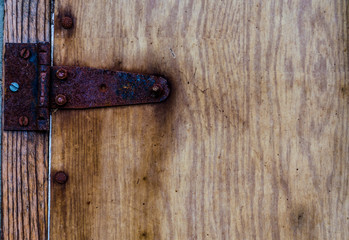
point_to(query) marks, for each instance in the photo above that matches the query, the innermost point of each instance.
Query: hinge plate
(90, 88)
(26, 86)
(32, 88)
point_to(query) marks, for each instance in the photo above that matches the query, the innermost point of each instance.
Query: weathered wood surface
(252, 144)
(25, 154)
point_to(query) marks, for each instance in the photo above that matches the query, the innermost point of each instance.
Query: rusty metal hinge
(33, 88)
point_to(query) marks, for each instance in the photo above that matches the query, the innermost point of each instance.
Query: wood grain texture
(25, 154)
(252, 143)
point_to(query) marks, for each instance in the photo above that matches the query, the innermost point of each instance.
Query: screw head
(155, 91)
(62, 73)
(60, 177)
(25, 53)
(67, 22)
(61, 99)
(23, 121)
(14, 87)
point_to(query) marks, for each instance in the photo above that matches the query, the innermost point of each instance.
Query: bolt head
(60, 177)
(155, 90)
(62, 73)
(61, 99)
(67, 22)
(25, 53)
(23, 121)
(14, 87)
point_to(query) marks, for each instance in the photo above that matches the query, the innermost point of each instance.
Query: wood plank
(252, 143)
(25, 154)
(1, 49)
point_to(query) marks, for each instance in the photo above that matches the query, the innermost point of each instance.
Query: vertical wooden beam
(25, 154)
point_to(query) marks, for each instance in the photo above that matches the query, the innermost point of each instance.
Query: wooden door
(251, 144)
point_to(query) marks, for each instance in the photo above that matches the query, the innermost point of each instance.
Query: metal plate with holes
(33, 88)
(24, 85)
(82, 87)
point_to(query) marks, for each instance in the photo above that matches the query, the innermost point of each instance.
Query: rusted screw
(61, 99)
(60, 177)
(67, 22)
(156, 90)
(62, 73)
(23, 121)
(25, 53)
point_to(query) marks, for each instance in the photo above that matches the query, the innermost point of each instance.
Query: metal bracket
(33, 88)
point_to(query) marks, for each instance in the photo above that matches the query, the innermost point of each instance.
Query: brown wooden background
(252, 144)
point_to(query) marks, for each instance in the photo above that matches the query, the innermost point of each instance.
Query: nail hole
(103, 88)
